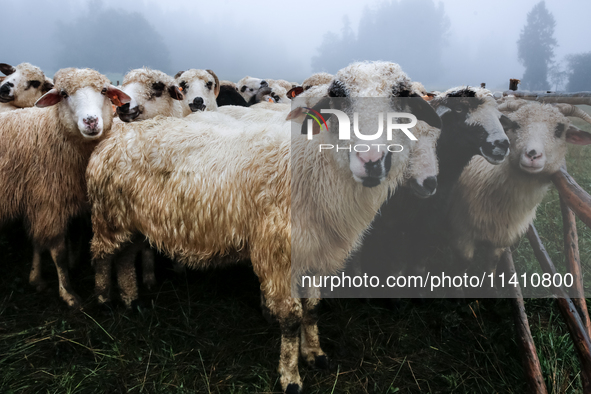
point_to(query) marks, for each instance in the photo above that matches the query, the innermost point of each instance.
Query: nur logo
(345, 124)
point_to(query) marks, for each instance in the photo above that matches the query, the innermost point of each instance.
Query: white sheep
(494, 205)
(152, 93)
(317, 79)
(210, 191)
(44, 153)
(200, 88)
(22, 86)
(249, 86)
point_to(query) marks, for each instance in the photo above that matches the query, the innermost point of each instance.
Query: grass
(204, 333)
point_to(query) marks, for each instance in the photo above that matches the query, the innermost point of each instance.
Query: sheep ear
(48, 99)
(294, 114)
(117, 96)
(295, 91)
(423, 111)
(576, 136)
(7, 69)
(217, 83)
(47, 86)
(178, 74)
(175, 92)
(324, 103)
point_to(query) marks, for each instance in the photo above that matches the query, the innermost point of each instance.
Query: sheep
(317, 79)
(200, 88)
(280, 82)
(228, 96)
(152, 93)
(50, 148)
(493, 206)
(229, 83)
(22, 86)
(207, 206)
(249, 86)
(411, 226)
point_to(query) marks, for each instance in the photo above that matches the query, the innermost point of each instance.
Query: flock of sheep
(213, 172)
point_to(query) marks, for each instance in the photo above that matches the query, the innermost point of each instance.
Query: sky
(273, 39)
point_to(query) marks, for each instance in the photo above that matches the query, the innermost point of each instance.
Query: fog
(271, 39)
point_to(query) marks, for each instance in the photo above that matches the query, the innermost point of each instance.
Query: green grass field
(204, 333)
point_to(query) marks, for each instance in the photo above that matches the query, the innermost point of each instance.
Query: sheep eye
(209, 85)
(104, 91)
(560, 127)
(183, 85)
(64, 94)
(34, 84)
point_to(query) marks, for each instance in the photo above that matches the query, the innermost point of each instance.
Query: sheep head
(23, 84)
(83, 98)
(152, 93)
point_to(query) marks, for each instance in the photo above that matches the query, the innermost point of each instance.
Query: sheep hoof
(73, 301)
(321, 362)
(293, 388)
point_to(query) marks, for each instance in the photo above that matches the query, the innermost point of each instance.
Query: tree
(391, 32)
(111, 41)
(535, 47)
(580, 72)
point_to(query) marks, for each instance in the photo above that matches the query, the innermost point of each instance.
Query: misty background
(442, 44)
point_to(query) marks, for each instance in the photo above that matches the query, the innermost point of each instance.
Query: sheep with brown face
(494, 205)
(44, 152)
(22, 86)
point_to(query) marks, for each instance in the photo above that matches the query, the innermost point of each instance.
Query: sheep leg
(310, 341)
(59, 254)
(265, 310)
(126, 275)
(288, 312)
(35, 278)
(102, 279)
(148, 276)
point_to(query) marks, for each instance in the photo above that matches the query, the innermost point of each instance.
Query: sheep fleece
(200, 217)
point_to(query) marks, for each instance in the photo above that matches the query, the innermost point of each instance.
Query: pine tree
(536, 47)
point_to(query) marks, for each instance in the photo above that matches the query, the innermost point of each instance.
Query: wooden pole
(513, 84)
(531, 362)
(568, 310)
(573, 262)
(574, 196)
(553, 97)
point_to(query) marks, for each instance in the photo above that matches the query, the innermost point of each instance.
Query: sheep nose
(5, 92)
(502, 144)
(198, 101)
(532, 154)
(430, 184)
(91, 122)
